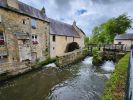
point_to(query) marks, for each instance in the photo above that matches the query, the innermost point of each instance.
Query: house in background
(126, 39)
(64, 38)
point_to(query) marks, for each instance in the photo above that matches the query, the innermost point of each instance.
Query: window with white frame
(34, 39)
(2, 41)
(33, 23)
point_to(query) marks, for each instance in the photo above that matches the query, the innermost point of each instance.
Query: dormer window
(34, 39)
(2, 41)
(33, 23)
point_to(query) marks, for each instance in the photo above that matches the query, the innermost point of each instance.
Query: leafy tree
(86, 41)
(106, 32)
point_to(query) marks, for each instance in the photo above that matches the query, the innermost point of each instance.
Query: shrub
(97, 59)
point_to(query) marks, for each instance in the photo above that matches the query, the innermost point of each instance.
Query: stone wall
(13, 22)
(17, 50)
(70, 58)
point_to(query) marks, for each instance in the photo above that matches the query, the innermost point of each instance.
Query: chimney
(74, 23)
(13, 4)
(43, 11)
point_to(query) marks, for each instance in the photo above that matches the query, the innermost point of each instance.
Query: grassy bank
(115, 87)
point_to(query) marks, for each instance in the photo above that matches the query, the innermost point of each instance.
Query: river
(81, 81)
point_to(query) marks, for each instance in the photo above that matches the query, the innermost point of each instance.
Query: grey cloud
(109, 1)
(63, 5)
(98, 11)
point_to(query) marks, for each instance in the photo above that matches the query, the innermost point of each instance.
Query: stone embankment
(71, 57)
(8, 70)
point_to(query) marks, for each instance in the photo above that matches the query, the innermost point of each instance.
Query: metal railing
(129, 85)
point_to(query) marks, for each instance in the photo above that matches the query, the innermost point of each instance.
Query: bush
(97, 59)
(42, 63)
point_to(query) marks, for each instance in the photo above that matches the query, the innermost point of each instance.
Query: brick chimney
(13, 3)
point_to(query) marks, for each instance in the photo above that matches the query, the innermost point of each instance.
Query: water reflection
(78, 82)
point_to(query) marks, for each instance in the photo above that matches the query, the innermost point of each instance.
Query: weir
(109, 51)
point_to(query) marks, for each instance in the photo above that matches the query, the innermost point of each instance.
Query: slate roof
(124, 37)
(31, 11)
(63, 29)
(2, 2)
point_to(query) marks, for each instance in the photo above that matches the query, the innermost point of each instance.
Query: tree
(106, 32)
(86, 41)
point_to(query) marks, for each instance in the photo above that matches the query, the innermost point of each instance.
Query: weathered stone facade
(20, 41)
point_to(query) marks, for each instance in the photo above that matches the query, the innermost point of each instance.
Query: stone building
(24, 33)
(64, 38)
(28, 35)
(126, 39)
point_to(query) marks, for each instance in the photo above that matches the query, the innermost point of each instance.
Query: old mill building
(27, 34)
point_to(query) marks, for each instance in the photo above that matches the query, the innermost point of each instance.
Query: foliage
(116, 85)
(86, 41)
(106, 32)
(42, 63)
(97, 59)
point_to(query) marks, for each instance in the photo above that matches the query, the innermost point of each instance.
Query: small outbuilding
(126, 39)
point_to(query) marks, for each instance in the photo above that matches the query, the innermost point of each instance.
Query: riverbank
(79, 81)
(12, 72)
(115, 87)
(25, 67)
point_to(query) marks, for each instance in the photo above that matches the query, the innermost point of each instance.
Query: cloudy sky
(87, 13)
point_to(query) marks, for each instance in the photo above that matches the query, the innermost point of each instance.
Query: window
(34, 39)
(119, 42)
(33, 23)
(54, 38)
(24, 21)
(2, 42)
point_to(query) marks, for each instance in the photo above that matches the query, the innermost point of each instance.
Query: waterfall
(87, 61)
(108, 66)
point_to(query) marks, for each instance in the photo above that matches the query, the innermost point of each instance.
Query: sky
(86, 13)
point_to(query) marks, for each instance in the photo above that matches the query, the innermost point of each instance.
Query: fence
(129, 85)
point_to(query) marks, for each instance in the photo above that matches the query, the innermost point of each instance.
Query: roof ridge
(59, 21)
(29, 5)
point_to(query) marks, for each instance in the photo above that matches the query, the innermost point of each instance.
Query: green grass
(115, 87)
